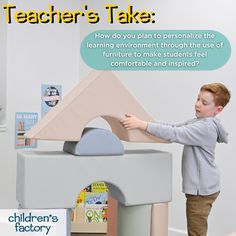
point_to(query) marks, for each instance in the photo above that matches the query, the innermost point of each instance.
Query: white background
(42, 54)
(3, 41)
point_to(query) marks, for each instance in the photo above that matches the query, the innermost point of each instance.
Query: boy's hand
(132, 122)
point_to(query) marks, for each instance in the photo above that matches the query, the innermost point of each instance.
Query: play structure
(100, 94)
(140, 180)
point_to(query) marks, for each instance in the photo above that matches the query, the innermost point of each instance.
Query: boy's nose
(197, 104)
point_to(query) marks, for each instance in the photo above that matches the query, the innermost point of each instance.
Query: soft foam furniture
(95, 141)
(143, 220)
(48, 179)
(140, 180)
(134, 220)
(100, 94)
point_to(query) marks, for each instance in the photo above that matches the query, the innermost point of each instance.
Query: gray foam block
(55, 179)
(95, 142)
(134, 220)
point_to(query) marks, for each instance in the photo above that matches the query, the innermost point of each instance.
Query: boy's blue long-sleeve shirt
(199, 136)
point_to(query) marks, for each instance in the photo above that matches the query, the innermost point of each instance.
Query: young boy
(201, 177)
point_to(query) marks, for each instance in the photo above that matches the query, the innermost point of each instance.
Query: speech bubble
(181, 50)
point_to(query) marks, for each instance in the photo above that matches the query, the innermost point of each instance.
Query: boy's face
(205, 105)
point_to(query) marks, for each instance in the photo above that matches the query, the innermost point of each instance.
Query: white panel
(3, 36)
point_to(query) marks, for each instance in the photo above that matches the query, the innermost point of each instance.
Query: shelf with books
(90, 213)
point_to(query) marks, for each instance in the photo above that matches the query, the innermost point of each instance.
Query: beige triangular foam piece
(100, 94)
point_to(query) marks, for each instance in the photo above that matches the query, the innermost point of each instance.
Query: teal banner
(168, 50)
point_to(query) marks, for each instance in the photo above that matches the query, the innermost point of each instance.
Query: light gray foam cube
(134, 220)
(55, 179)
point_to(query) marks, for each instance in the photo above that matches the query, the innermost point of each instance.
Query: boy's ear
(219, 109)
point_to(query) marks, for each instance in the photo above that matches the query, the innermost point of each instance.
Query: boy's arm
(172, 124)
(132, 122)
(199, 133)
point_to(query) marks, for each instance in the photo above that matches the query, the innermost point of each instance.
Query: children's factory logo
(30, 223)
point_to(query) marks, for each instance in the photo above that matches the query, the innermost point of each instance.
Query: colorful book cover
(50, 97)
(80, 199)
(95, 198)
(95, 213)
(99, 187)
(88, 189)
(23, 122)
